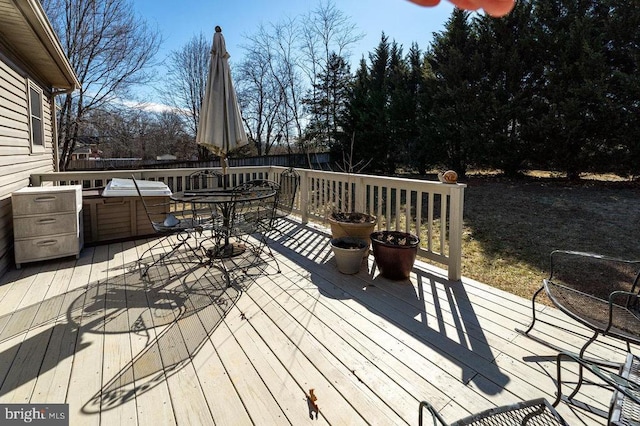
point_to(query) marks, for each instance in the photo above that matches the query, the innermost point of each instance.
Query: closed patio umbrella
(220, 127)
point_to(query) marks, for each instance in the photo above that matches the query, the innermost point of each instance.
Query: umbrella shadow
(205, 298)
(175, 316)
(428, 307)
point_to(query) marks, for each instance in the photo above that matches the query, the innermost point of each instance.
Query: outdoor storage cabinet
(47, 222)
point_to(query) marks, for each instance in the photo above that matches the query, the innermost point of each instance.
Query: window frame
(35, 147)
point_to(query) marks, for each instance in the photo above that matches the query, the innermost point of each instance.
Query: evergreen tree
(510, 62)
(457, 119)
(401, 109)
(355, 121)
(575, 85)
(372, 138)
(420, 152)
(622, 52)
(329, 104)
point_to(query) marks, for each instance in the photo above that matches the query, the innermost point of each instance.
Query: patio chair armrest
(435, 417)
(629, 300)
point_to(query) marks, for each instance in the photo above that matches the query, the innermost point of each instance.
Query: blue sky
(178, 22)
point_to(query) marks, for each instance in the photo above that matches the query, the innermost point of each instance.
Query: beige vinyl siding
(17, 162)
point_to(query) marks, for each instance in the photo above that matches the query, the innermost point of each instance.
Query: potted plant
(394, 253)
(349, 252)
(353, 224)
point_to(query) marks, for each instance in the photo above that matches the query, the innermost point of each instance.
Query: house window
(36, 124)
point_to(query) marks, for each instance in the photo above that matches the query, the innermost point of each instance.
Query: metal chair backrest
(254, 205)
(164, 217)
(205, 179)
(535, 412)
(144, 203)
(289, 183)
(255, 186)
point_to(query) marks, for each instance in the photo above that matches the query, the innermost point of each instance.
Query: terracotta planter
(349, 252)
(361, 229)
(394, 253)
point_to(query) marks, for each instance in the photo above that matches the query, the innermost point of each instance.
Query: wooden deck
(181, 348)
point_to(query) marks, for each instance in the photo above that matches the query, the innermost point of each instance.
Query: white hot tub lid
(119, 187)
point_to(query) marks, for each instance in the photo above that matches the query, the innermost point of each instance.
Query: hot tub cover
(125, 188)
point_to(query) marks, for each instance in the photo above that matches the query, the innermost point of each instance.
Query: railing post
(455, 232)
(360, 195)
(36, 180)
(304, 195)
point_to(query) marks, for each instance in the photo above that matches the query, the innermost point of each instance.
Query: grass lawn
(511, 225)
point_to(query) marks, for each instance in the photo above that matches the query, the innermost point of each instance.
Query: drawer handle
(45, 199)
(46, 243)
(47, 220)
(114, 201)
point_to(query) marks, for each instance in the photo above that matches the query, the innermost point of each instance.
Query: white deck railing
(430, 209)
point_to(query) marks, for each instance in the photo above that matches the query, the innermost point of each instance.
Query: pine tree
(457, 119)
(330, 104)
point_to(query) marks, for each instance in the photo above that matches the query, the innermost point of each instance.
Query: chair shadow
(429, 307)
(176, 316)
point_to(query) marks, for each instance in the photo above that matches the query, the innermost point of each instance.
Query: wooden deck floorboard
(179, 347)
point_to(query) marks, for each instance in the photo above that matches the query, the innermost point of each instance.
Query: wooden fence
(318, 161)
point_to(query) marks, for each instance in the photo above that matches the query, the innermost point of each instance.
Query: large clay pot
(348, 252)
(394, 253)
(362, 229)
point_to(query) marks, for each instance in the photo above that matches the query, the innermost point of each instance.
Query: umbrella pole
(225, 165)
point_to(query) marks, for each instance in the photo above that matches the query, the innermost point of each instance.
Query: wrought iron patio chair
(253, 214)
(600, 292)
(288, 189)
(175, 227)
(624, 383)
(205, 179)
(536, 412)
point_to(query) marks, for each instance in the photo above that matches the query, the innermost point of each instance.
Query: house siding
(17, 163)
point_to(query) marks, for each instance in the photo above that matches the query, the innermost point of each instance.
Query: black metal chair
(600, 292)
(624, 383)
(205, 179)
(536, 412)
(289, 184)
(175, 227)
(253, 214)
(288, 189)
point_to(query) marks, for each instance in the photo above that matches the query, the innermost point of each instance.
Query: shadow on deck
(372, 348)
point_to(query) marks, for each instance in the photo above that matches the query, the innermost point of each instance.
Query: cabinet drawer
(46, 247)
(43, 225)
(54, 202)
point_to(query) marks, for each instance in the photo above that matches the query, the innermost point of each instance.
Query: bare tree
(286, 71)
(133, 132)
(326, 31)
(271, 84)
(171, 130)
(259, 93)
(109, 48)
(187, 79)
